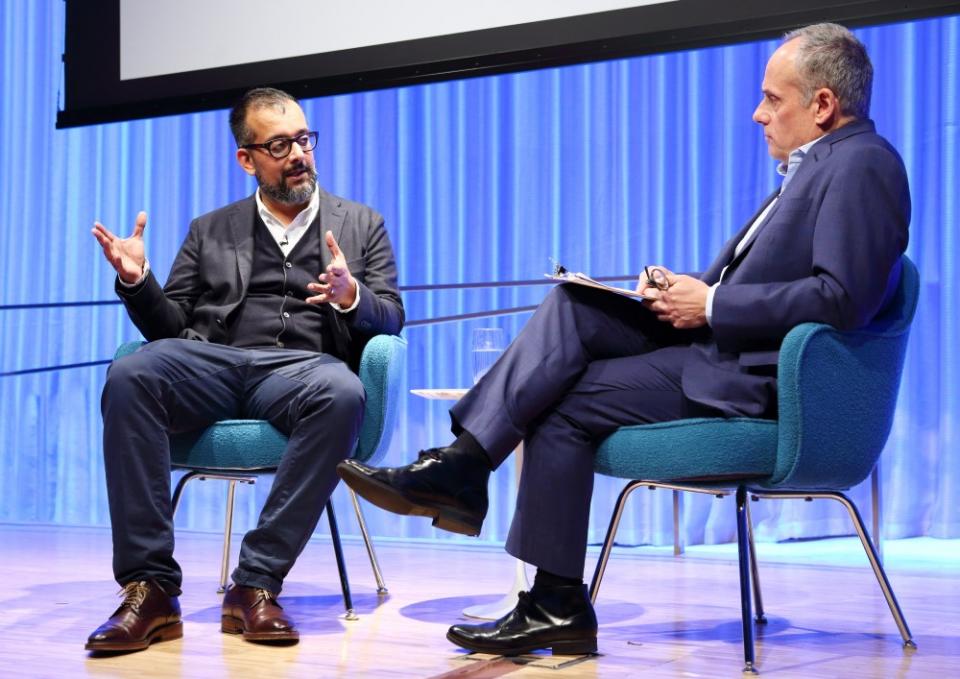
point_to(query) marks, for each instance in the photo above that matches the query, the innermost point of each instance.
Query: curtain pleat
(605, 167)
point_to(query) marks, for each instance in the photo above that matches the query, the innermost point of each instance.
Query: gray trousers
(172, 386)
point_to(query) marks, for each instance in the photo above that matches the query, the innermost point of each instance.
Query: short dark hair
(260, 97)
(830, 56)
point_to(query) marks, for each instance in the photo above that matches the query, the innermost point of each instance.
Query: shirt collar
(789, 168)
(304, 218)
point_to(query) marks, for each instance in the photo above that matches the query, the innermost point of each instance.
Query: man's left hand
(336, 285)
(683, 305)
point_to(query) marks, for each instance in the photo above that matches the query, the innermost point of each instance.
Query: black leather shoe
(255, 613)
(147, 614)
(444, 483)
(558, 618)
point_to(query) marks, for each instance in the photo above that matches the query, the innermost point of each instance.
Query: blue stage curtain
(605, 167)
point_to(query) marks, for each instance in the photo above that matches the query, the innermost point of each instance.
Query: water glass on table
(488, 344)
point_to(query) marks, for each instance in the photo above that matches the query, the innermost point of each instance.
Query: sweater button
(280, 344)
(289, 265)
(286, 314)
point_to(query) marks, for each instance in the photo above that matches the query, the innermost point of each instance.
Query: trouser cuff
(247, 578)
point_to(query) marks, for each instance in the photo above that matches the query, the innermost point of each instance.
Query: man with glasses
(264, 315)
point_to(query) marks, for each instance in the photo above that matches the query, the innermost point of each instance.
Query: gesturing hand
(126, 255)
(336, 285)
(683, 304)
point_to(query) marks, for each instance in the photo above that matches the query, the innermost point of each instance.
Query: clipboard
(564, 276)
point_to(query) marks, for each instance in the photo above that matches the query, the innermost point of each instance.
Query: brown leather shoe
(147, 614)
(255, 613)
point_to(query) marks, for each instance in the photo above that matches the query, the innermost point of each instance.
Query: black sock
(545, 579)
(465, 443)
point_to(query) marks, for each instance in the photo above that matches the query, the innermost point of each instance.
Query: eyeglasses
(656, 278)
(280, 147)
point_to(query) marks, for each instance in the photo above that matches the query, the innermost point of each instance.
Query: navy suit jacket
(828, 252)
(210, 275)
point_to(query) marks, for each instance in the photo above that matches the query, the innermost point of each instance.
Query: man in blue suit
(824, 247)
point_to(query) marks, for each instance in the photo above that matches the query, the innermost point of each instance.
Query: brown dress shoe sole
(165, 633)
(231, 625)
(389, 498)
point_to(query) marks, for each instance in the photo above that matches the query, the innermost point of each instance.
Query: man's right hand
(126, 255)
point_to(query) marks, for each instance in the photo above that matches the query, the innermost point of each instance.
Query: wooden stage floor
(660, 615)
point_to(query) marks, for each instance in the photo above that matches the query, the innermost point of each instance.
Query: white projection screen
(129, 59)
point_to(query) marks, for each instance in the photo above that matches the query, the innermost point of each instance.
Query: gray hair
(261, 97)
(830, 56)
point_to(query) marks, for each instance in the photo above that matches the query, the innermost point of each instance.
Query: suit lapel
(331, 219)
(756, 232)
(726, 255)
(242, 221)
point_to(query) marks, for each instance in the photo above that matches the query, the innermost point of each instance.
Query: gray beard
(287, 195)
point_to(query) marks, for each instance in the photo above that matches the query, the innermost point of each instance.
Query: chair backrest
(837, 393)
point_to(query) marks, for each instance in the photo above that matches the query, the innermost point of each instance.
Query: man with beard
(277, 342)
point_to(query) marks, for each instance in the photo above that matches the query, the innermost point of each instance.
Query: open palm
(126, 255)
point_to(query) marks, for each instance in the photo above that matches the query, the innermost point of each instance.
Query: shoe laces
(266, 595)
(134, 594)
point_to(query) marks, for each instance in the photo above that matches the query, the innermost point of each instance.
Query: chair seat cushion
(229, 445)
(693, 450)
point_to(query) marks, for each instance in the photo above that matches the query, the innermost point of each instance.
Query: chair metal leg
(760, 617)
(341, 564)
(227, 530)
(233, 479)
(868, 547)
(877, 566)
(181, 484)
(877, 516)
(677, 514)
(608, 540)
(368, 543)
(743, 551)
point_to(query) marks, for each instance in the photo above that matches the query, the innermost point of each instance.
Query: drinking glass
(488, 344)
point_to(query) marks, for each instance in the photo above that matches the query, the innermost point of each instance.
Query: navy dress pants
(172, 386)
(586, 363)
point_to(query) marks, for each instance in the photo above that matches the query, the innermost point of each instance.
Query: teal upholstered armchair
(837, 393)
(237, 450)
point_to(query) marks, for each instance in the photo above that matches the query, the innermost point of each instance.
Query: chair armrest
(381, 369)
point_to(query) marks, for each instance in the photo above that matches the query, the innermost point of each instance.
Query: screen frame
(95, 94)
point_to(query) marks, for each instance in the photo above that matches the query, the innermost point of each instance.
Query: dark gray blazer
(828, 252)
(211, 273)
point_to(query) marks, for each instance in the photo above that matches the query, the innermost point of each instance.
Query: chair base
(868, 547)
(746, 549)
